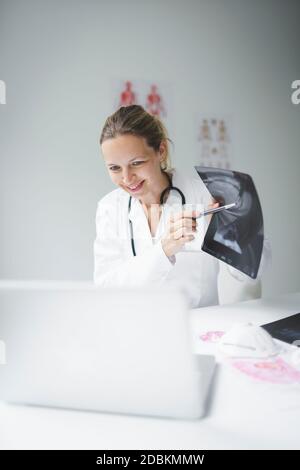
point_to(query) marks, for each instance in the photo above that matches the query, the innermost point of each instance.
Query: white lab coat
(194, 272)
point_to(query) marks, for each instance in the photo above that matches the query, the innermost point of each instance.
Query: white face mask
(247, 340)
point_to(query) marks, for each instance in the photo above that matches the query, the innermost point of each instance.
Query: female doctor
(140, 241)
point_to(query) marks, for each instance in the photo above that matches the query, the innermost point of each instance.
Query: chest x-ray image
(235, 235)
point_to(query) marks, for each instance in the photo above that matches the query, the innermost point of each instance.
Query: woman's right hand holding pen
(181, 229)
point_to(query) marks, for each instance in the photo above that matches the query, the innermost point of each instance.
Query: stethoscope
(161, 202)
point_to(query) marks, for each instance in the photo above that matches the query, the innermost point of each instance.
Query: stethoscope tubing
(161, 201)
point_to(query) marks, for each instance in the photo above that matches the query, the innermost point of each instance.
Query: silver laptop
(74, 345)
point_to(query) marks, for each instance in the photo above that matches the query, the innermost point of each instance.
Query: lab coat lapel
(141, 230)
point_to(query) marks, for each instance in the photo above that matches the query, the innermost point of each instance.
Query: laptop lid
(78, 346)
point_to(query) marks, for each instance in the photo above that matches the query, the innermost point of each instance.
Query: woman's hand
(181, 228)
(179, 231)
(213, 205)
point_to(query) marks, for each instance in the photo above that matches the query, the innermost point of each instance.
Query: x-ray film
(236, 235)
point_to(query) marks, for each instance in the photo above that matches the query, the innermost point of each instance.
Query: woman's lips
(135, 188)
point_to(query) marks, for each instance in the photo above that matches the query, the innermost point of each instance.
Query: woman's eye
(137, 163)
(113, 168)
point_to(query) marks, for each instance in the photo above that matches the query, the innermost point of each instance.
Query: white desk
(242, 413)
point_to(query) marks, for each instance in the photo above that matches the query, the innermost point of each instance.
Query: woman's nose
(127, 177)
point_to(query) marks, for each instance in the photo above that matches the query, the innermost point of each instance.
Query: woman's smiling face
(134, 166)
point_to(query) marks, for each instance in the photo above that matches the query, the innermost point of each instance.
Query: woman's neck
(154, 197)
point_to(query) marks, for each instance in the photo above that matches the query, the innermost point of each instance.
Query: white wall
(58, 59)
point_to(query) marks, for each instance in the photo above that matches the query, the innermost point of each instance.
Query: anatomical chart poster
(214, 141)
(154, 96)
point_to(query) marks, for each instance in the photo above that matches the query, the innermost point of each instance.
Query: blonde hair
(135, 120)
